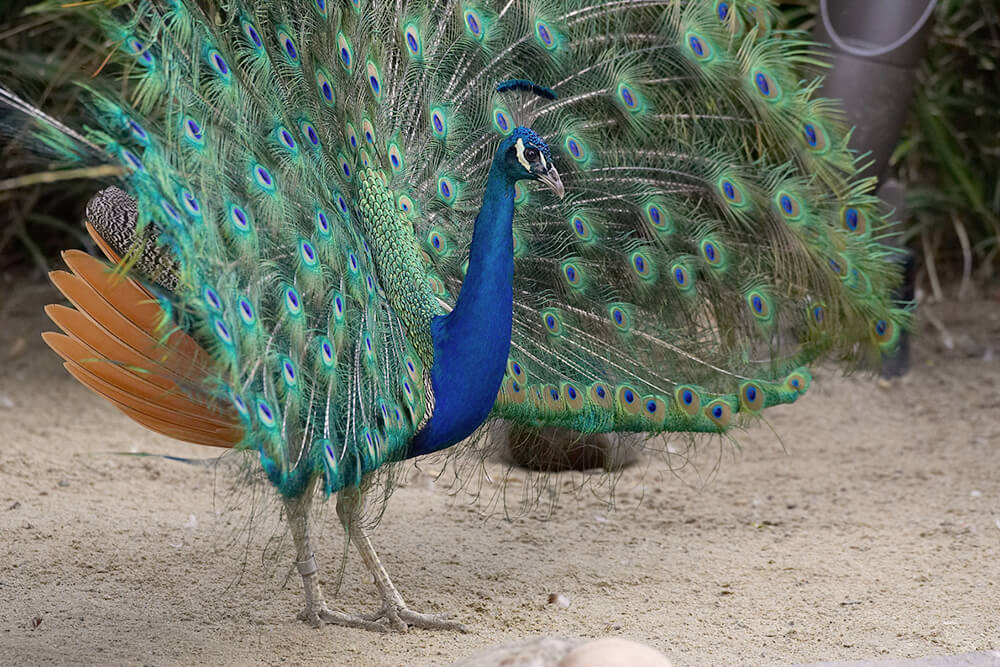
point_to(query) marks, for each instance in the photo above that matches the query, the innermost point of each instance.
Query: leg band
(308, 566)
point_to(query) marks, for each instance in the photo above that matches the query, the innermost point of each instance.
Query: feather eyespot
(345, 166)
(752, 397)
(573, 273)
(655, 408)
(293, 303)
(346, 52)
(395, 158)
(502, 121)
(446, 190)
(576, 148)
(620, 317)
(212, 299)
(193, 132)
(581, 228)
(291, 52)
(789, 206)
(545, 35)
(815, 137)
(265, 414)
(439, 125)
(642, 265)
(798, 381)
(699, 47)
(241, 405)
(839, 265)
(712, 253)
(307, 253)
(438, 242)
(286, 140)
(219, 64)
(190, 203)
(885, 333)
(411, 35)
(572, 397)
(322, 224)
(374, 80)
(325, 87)
(657, 218)
(732, 193)
(222, 331)
(251, 32)
(766, 85)
(262, 177)
(138, 132)
(760, 306)
(817, 314)
(140, 50)
(171, 212)
(629, 98)
(132, 160)
(245, 309)
(854, 220)
(681, 276)
(688, 400)
(405, 204)
(369, 131)
(627, 399)
(288, 373)
(552, 322)
(474, 24)
(239, 218)
(600, 395)
(309, 132)
(719, 412)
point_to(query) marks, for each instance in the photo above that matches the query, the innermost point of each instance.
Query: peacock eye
(531, 154)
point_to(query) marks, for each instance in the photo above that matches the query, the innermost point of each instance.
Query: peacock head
(527, 156)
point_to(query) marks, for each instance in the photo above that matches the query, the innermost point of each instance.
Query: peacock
(349, 233)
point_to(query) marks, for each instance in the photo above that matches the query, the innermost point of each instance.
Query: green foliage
(40, 203)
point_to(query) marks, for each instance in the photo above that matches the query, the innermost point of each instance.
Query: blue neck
(471, 344)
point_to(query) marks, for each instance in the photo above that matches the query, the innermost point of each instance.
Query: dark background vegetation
(949, 156)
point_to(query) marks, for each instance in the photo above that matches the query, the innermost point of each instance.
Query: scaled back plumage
(313, 169)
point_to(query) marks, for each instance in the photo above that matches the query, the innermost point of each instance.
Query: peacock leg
(316, 613)
(394, 609)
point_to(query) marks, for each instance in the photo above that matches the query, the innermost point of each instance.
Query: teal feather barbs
(319, 165)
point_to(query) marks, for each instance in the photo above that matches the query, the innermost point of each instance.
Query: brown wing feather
(134, 303)
(129, 403)
(116, 344)
(133, 381)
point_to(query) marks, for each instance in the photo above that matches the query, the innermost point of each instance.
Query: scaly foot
(401, 618)
(319, 615)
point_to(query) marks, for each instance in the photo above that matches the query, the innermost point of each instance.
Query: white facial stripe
(541, 155)
(520, 155)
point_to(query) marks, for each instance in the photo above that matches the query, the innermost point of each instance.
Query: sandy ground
(872, 529)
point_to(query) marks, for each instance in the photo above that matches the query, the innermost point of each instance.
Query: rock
(614, 652)
(553, 449)
(541, 652)
(557, 652)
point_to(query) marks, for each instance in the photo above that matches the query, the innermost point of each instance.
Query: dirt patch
(872, 528)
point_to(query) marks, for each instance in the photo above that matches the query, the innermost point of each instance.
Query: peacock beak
(552, 181)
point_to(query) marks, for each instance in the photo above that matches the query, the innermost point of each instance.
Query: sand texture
(871, 529)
